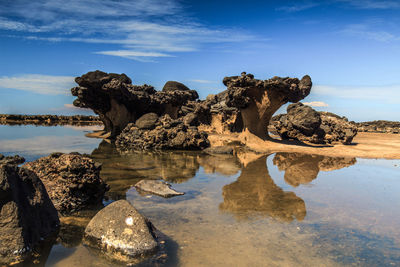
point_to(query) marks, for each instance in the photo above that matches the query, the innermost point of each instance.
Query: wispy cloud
(383, 94)
(316, 104)
(365, 31)
(298, 6)
(41, 84)
(373, 4)
(144, 29)
(202, 81)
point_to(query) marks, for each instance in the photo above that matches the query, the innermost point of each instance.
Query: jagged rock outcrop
(72, 180)
(165, 134)
(258, 100)
(303, 168)
(27, 215)
(118, 102)
(380, 126)
(305, 124)
(48, 120)
(121, 233)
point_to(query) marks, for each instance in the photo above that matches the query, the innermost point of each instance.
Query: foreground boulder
(121, 233)
(157, 187)
(118, 102)
(72, 180)
(258, 100)
(27, 215)
(164, 133)
(303, 123)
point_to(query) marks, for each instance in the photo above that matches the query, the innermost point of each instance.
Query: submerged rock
(258, 100)
(157, 187)
(167, 134)
(72, 180)
(305, 124)
(219, 150)
(27, 215)
(121, 232)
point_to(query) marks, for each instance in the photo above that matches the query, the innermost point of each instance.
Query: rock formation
(72, 180)
(162, 133)
(49, 120)
(305, 124)
(118, 102)
(121, 232)
(255, 193)
(27, 215)
(157, 187)
(380, 126)
(258, 100)
(303, 168)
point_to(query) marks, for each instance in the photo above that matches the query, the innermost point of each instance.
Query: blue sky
(350, 48)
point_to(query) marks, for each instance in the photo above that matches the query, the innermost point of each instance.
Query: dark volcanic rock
(72, 180)
(157, 187)
(121, 232)
(49, 120)
(380, 126)
(118, 102)
(173, 86)
(147, 121)
(27, 214)
(167, 134)
(258, 100)
(305, 124)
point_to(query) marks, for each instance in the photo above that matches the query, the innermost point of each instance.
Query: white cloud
(384, 94)
(316, 104)
(298, 7)
(373, 4)
(41, 84)
(145, 29)
(202, 81)
(364, 31)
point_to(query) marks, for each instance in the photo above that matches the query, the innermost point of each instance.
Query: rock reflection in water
(303, 168)
(255, 193)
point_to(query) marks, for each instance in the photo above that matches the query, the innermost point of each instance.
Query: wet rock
(118, 102)
(219, 150)
(27, 215)
(72, 180)
(147, 121)
(157, 187)
(121, 232)
(258, 100)
(305, 124)
(168, 134)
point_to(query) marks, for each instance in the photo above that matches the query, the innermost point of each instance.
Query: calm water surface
(283, 209)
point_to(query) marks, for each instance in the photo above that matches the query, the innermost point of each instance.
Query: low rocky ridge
(48, 120)
(303, 123)
(72, 180)
(380, 126)
(121, 233)
(27, 215)
(162, 133)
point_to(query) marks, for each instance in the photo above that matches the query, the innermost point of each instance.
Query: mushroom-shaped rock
(118, 102)
(27, 214)
(157, 187)
(121, 232)
(258, 100)
(72, 180)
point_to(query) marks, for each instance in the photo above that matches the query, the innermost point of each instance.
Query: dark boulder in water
(27, 215)
(72, 180)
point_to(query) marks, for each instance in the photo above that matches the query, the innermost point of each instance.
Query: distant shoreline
(49, 120)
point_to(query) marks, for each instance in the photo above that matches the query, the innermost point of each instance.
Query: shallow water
(283, 209)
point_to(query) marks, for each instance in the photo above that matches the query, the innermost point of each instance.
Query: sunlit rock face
(27, 215)
(303, 168)
(258, 100)
(118, 102)
(255, 194)
(72, 180)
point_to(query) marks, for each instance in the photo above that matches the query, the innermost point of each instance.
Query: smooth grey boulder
(147, 121)
(121, 233)
(157, 187)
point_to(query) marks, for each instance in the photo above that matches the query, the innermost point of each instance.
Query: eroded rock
(27, 215)
(121, 233)
(157, 187)
(72, 180)
(258, 100)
